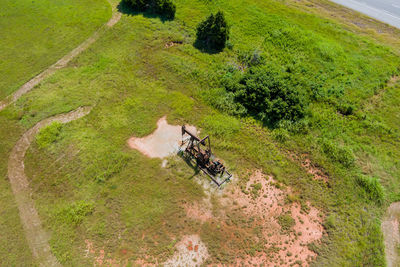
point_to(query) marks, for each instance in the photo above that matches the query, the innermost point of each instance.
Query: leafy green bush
(74, 214)
(372, 187)
(165, 8)
(213, 32)
(48, 134)
(268, 93)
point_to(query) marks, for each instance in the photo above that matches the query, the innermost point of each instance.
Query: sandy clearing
(191, 251)
(391, 234)
(61, 63)
(36, 236)
(163, 142)
(266, 208)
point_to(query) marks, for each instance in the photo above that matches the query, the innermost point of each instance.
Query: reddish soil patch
(164, 141)
(200, 211)
(191, 251)
(263, 201)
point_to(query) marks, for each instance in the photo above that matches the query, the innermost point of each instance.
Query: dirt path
(60, 63)
(391, 234)
(37, 238)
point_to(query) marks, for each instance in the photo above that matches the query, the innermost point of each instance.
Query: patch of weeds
(49, 134)
(343, 155)
(221, 125)
(73, 214)
(330, 222)
(255, 190)
(372, 187)
(286, 222)
(291, 198)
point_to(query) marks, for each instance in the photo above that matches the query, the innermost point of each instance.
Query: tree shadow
(125, 8)
(203, 48)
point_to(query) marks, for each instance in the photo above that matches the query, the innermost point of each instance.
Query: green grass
(35, 34)
(132, 80)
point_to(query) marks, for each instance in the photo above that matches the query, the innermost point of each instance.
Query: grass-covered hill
(89, 185)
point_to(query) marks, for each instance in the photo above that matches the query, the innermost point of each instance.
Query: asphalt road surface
(384, 10)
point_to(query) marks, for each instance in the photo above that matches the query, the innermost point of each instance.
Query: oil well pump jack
(200, 150)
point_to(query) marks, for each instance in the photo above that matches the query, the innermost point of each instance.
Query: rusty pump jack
(200, 150)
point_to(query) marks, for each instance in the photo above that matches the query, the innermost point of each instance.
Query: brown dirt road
(36, 236)
(391, 234)
(60, 63)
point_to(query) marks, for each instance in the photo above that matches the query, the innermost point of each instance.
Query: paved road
(384, 10)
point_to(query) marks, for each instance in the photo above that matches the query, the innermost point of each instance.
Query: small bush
(213, 33)
(372, 187)
(165, 8)
(346, 109)
(48, 134)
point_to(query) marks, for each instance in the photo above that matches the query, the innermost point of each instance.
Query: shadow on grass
(127, 9)
(190, 163)
(205, 49)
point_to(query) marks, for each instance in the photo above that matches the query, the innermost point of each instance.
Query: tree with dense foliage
(269, 94)
(165, 8)
(213, 32)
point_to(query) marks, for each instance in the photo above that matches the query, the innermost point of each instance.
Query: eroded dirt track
(60, 63)
(36, 236)
(391, 234)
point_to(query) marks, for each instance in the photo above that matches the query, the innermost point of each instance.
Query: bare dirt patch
(191, 251)
(390, 230)
(287, 229)
(164, 141)
(172, 43)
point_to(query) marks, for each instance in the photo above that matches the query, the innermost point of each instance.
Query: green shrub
(346, 109)
(372, 187)
(213, 33)
(74, 213)
(268, 94)
(165, 8)
(48, 134)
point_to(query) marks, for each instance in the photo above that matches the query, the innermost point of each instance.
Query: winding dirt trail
(36, 236)
(60, 63)
(391, 234)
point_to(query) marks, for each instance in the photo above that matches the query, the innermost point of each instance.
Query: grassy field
(89, 186)
(35, 34)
